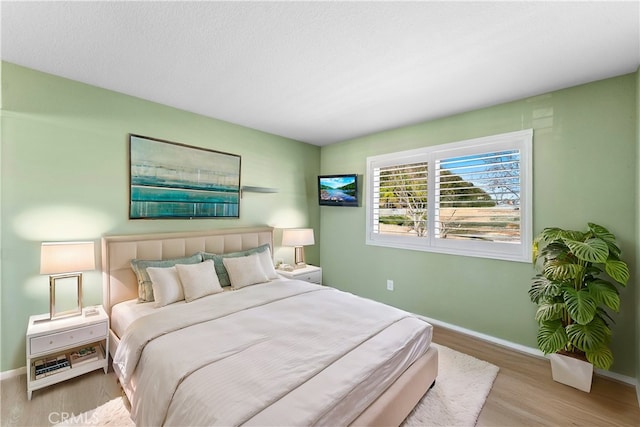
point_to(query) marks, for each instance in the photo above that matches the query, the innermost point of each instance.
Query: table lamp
(298, 238)
(63, 260)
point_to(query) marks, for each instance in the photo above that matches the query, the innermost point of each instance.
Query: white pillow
(198, 280)
(167, 288)
(267, 264)
(245, 271)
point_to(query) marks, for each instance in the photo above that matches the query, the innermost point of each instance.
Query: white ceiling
(323, 72)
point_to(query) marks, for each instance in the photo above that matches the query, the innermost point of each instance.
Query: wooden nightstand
(310, 273)
(50, 342)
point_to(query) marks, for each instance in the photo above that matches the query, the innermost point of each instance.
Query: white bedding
(282, 353)
(123, 314)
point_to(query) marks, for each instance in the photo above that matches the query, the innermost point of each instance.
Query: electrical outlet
(389, 285)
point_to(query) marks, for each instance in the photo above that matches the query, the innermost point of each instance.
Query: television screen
(338, 190)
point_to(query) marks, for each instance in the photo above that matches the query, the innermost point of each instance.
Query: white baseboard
(13, 373)
(522, 348)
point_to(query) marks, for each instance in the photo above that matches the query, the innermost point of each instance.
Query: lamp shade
(297, 237)
(67, 257)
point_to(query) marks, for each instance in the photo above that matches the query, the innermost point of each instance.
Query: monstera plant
(573, 291)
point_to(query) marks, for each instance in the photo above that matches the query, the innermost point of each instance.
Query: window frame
(518, 140)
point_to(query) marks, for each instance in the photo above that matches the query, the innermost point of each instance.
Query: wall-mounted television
(338, 190)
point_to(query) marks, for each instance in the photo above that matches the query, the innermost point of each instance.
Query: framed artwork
(172, 180)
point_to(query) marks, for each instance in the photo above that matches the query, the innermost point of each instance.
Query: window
(468, 198)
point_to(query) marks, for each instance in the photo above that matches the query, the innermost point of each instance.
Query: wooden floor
(523, 394)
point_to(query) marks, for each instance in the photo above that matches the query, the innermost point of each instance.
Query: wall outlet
(389, 285)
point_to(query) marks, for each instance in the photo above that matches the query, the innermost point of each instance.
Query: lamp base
(299, 257)
(74, 311)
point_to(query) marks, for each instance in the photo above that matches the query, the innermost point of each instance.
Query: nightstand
(58, 348)
(310, 273)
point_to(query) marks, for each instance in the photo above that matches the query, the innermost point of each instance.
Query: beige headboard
(118, 281)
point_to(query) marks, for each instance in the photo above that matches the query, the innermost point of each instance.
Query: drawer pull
(50, 342)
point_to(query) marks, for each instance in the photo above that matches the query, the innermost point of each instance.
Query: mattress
(256, 381)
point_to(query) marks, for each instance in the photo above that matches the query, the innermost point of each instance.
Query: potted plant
(572, 293)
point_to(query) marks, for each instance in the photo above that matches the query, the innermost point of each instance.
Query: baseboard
(523, 349)
(13, 373)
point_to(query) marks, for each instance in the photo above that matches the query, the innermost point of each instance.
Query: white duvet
(281, 353)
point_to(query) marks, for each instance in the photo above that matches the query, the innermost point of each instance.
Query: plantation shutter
(400, 199)
(477, 197)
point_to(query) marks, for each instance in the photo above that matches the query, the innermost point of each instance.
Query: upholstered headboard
(119, 281)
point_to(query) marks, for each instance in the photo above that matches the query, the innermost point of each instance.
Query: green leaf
(601, 232)
(604, 234)
(605, 293)
(534, 251)
(554, 250)
(549, 311)
(593, 250)
(560, 270)
(580, 305)
(550, 233)
(543, 288)
(589, 337)
(618, 270)
(552, 337)
(537, 289)
(601, 358)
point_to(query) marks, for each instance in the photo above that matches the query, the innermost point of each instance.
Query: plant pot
(571, 371)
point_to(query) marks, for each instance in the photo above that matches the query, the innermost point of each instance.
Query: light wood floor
(523, 394)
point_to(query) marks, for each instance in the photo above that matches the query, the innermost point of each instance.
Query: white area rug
(461, 389)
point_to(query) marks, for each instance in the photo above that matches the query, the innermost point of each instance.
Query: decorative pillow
(266, 262)
(167, 288)
(245, 271)
(198, 280)
(145, 286)
(221, 271)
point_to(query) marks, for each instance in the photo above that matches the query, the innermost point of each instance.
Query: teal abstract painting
(172, 180)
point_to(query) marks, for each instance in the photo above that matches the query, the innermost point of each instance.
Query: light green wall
(585, 169)
(65, 176)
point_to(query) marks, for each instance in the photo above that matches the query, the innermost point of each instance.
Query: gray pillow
(139, 266)
(221, 271)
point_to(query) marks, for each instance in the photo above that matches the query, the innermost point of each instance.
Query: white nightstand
(310, 273)
(48, 340)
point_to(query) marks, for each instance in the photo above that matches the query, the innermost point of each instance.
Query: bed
(275, 352)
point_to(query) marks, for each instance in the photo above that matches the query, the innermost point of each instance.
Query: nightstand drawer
(67, 338)
(313, 277)
(310, 273)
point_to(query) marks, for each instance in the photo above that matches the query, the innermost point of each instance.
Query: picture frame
(169, 180)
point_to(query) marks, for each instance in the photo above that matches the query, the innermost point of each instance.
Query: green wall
(585, 169)
(64, 176)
